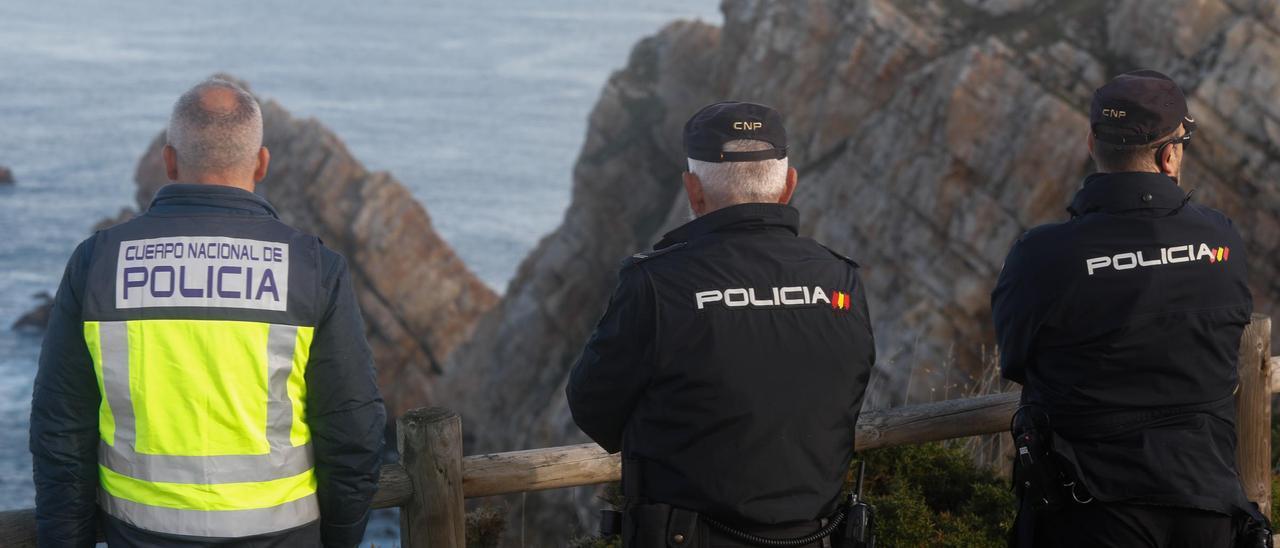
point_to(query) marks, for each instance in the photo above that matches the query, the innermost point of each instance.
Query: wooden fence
(433, 479)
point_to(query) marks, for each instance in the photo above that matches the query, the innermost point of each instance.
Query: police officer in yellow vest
(205, 378)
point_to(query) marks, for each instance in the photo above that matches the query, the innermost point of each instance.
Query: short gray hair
(212, 140)
(729, 183)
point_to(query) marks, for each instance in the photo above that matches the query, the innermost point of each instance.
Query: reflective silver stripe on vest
(284, 460)
(201, 523)
(207, 470)
(280, 342)
(114, 338)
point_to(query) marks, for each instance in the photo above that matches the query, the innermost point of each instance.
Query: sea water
(479, 107)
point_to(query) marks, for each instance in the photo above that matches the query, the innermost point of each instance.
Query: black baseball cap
(716, 124)
(1138, 107)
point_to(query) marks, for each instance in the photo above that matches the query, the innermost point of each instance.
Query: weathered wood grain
(1253, 412)
(430, 443)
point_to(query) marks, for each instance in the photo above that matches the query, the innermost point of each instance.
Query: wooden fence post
(1253, 412)
(430, 443)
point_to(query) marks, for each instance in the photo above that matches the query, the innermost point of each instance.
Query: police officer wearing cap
(1123, 325)
(730, 365)
(205, 380)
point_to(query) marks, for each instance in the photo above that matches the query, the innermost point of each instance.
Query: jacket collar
(211, 196)
(737, 217)
(1117, 192)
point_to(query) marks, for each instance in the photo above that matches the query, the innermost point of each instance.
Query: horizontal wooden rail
(394, 487)
(538, 470)
(1275, 374)
(936, 421)
(588, 464)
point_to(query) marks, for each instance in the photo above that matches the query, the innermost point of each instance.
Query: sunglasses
(1184, 139)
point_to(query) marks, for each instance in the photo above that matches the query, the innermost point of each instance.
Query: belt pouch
(645, 526)
(682, 529)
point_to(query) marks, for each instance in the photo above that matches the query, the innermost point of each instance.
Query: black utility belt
(1045, 480)
(656, 525)
(1042, 478)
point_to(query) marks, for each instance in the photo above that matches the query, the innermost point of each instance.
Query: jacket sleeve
(860, 294)
(344, 412)
(616, 365)
(64, 419)
(1017, 308)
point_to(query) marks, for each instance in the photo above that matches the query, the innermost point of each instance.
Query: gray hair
(729, 183)
(209, 139)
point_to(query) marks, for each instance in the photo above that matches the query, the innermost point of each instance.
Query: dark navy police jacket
(343, 407)
(1124, 324)
(730, 368)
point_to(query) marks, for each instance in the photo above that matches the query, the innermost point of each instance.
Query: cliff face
(928, 136)
(419, 300)
(626, 174)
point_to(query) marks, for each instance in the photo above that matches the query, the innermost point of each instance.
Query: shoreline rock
(36, 319)
(418, 298)
(928, 137)
(6, 176)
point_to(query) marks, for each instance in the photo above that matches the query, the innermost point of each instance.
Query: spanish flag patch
(840, 300)
(1220, 254)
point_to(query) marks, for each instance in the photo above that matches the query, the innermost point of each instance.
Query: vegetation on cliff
(933, 495)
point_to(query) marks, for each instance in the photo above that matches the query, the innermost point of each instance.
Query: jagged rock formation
(36, 319)
(928, 136)
(419, 300)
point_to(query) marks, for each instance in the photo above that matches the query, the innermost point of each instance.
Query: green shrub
(485, 526)
(596, 542)
(933, 495)
(956, 532)
(903, 518)
(994, 504)
(611, 496)
(1275, 499)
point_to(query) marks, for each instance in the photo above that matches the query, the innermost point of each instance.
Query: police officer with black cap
(1123, 325)
(730, 365)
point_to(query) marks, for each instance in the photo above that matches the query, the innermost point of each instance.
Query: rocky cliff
(419, 300)
(928, 136)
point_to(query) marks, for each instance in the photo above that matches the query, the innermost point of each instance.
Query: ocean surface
(479, 107)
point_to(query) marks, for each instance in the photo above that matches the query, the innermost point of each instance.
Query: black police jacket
(343, 407)
(1124, 324)
(729, 368)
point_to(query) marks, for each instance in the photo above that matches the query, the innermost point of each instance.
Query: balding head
(215, 136)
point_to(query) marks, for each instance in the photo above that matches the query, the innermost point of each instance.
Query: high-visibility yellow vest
(201, 425)
(200, 344)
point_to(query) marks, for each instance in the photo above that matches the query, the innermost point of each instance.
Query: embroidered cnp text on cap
(1138, 108)
(706, 133)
